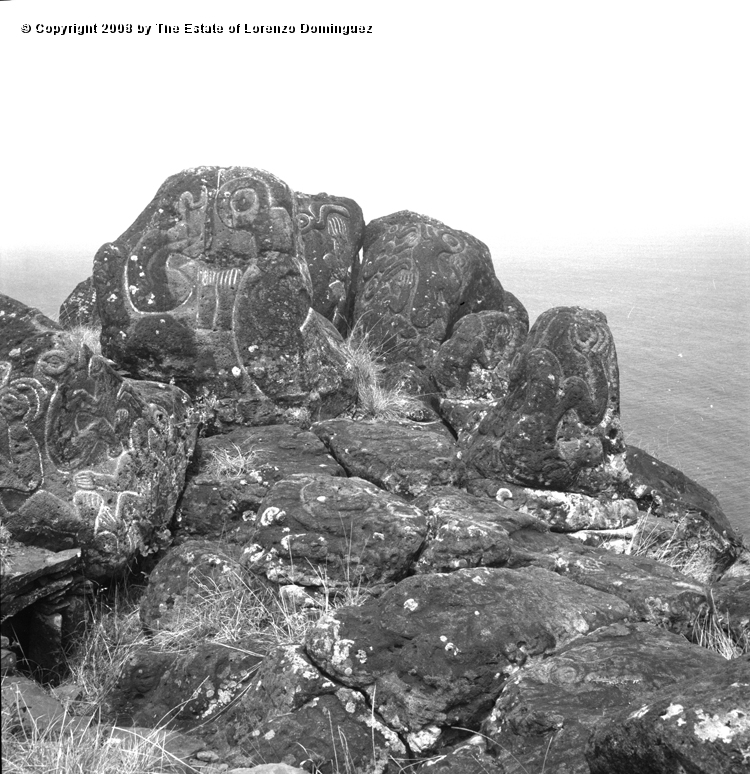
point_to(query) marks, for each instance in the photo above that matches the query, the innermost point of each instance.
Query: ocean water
(680, 316)
(679, 312)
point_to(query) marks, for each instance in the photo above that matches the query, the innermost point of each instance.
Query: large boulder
(546, 713)
(332, 229)
(317, 530)
(559, 427)
(87, 458)
(232, 473)
(402, 457)
(210, 288)
(418, 278)
(700, 724)
(435, 650)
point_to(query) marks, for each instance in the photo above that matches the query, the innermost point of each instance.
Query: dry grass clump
(233, 464)
(5, 538)
(79, 336)
(709, 630)
(98, 750)
(375, 401)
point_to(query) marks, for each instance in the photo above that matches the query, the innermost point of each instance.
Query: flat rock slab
(548, 710)
(435, 650)
(701, 724)
(469, 531)
(569, 511)
(236, 470)
(316, 529)
(402, 458)
(30, 573)
(656, 592)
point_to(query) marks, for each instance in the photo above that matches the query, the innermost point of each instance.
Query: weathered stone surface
(701, 724)
(79, 308)
(692, 516)
(464, 416)
(315, 530)
(559, 427)
(656, 592)
(546, 712)
(87, 459)
(210, 287)
(435, 650)
(469, 531)
(468, 758)
(403, 458)
(568, 511)
(332, 230)
(474, 363)
(194, 569)
(418, 278)
(330, 732)
(232, 473)
(28, 705)
(183, 688)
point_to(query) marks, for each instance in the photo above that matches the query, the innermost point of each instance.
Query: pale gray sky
(534, 125)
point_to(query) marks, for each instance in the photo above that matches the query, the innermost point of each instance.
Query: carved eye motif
(53, 363)
(13, 405)
(244, 202)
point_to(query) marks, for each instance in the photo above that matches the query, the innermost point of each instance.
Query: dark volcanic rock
(559, 427)
(194, 570)
(315, 530)
(546, 712)
(403, 458)
(87, 458)
(332, 230)
(418, 278)
(691, 516)
(473, 364)
(469, 531)
(210, 287)
(183, 688)
(79, 308)
(567, 511)
(435, 650)
(700, 724)
(236, 470)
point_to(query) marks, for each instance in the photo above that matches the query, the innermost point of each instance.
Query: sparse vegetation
(233, 463)
(5, 538)
(374, 400)
(80, 336)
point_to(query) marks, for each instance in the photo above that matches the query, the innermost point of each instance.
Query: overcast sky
(530, 124)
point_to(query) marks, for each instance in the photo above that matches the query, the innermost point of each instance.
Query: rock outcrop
(209, 288)
(346, 586)
(88, 459)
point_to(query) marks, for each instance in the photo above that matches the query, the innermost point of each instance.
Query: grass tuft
(375, 401)
(78, 336)
(233, 464)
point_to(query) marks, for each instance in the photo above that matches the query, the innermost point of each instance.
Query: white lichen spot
(411, 605)
(479, 580)
(639, 713)
(321, 499)
(270, 515)
(378, 536)
(672, 710)
(252, 348)
(236, 372)
(424, 739)
(722, 727)
(269, 735)
(361, 656)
